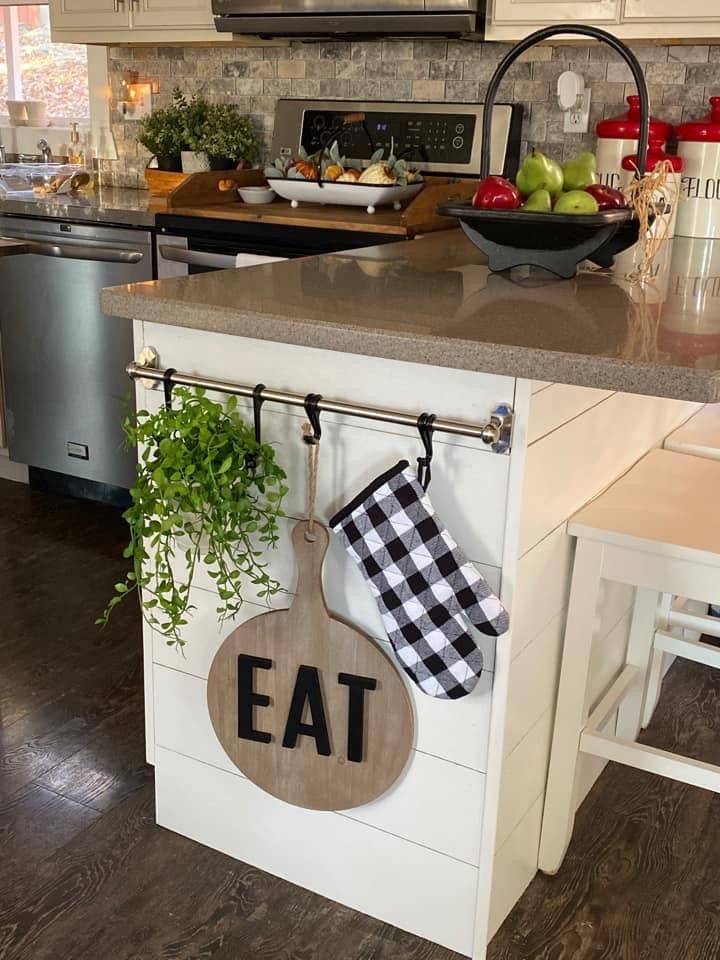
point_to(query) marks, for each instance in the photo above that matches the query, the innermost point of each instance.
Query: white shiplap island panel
(450, 848)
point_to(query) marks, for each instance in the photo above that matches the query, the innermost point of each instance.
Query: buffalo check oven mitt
(422, 582)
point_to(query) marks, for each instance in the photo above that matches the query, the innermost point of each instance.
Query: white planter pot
(194, 162)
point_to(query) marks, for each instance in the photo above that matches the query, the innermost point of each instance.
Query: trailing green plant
(227, 133)
(206, 493)
(163, 131)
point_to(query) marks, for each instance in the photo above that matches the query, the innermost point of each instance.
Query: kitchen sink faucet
(44, 148)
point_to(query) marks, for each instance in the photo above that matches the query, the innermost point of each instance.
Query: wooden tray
(200, 196)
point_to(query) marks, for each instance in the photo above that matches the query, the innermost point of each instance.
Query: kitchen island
(597, 371)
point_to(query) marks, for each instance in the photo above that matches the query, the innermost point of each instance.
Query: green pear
(539, 172)
(576, 201)
(580, 172)
(538, 202)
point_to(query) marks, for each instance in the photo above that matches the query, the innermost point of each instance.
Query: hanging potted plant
(162, 133)
(207, 493)
(228, 138)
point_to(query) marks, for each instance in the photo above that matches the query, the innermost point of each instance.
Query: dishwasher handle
(196, 258)
(71, 251)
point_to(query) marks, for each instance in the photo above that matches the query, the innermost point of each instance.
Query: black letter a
(307, 690)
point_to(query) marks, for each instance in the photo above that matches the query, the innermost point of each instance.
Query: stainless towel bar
(496, 432)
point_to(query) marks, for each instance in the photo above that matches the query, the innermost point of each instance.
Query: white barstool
(699, 437)
(657, 529)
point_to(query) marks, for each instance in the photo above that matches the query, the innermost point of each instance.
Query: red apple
(608, 198)
(496, 193)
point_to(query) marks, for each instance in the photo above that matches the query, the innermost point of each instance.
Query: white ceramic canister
(699, 146)
(617, 137)
(690, 317)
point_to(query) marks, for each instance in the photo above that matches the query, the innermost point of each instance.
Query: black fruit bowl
(557, 242)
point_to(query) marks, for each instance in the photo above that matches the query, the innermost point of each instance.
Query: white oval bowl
(257, 194)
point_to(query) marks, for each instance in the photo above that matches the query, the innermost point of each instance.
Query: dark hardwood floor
(86, 875)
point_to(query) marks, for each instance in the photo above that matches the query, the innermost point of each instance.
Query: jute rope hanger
(311, 433)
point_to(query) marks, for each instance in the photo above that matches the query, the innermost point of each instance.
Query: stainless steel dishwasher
(66, 391)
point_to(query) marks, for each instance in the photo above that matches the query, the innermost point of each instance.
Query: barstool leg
(572, 706)
(639, 651)
(657, 662)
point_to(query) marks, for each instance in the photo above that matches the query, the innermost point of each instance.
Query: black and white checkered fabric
(423, 584)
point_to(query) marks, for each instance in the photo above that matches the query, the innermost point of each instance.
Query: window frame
(11, 32)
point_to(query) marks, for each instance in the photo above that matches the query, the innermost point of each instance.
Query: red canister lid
(706, 129)
(627, 126)
(655, 155)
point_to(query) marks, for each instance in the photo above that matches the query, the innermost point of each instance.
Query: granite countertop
(111, 206)
(434, 301)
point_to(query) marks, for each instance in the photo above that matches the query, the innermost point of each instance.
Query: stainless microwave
(350, 18)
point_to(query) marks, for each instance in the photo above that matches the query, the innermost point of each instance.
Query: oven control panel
(418, 137)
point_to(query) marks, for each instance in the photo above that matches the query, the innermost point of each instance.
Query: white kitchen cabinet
(93, 14)
(651, 10)
(510, 20)
(544, 12)
(183, 13)
(133, 21)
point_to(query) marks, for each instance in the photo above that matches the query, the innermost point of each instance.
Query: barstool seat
(700, 435)
(657, 528)
(666, 503)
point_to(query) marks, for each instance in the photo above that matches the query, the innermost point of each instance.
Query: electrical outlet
(577, 118)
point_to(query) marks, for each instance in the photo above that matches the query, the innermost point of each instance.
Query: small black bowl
(557, 242)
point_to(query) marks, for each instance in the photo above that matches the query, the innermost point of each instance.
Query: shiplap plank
(183, 726)
(524, 776)
(457, 394)
(533, 681)
(543, 586)
(557, 405)
(573, 464)
(515, 865)
(400, 882)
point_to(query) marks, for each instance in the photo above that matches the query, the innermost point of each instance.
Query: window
(33, 68)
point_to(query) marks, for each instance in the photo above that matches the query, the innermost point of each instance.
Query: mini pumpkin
(306, 169)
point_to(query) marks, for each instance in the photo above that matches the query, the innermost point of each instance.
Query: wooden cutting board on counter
(200, 196)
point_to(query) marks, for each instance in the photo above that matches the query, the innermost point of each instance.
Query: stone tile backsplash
(680, 78)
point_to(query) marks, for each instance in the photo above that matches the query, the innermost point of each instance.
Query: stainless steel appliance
(63, 359)
(442, 139)
(342, 18)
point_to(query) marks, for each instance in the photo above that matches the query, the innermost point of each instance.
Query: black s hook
(425, 429)
(257, 402)
(312, 412)
(168, 386)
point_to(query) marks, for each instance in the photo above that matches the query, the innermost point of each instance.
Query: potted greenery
(207, 493)
(163, 133)
(228, 137)
(194, 121)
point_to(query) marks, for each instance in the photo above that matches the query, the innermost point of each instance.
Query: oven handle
(196, 258)
(79, 251)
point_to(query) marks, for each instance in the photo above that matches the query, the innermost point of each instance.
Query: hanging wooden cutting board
(305, 705)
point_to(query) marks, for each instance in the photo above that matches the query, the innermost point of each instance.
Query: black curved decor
(556, 243)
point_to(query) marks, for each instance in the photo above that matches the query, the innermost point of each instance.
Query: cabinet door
(707, 10)
(171, 14)
(89, 14)
(546, 12)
